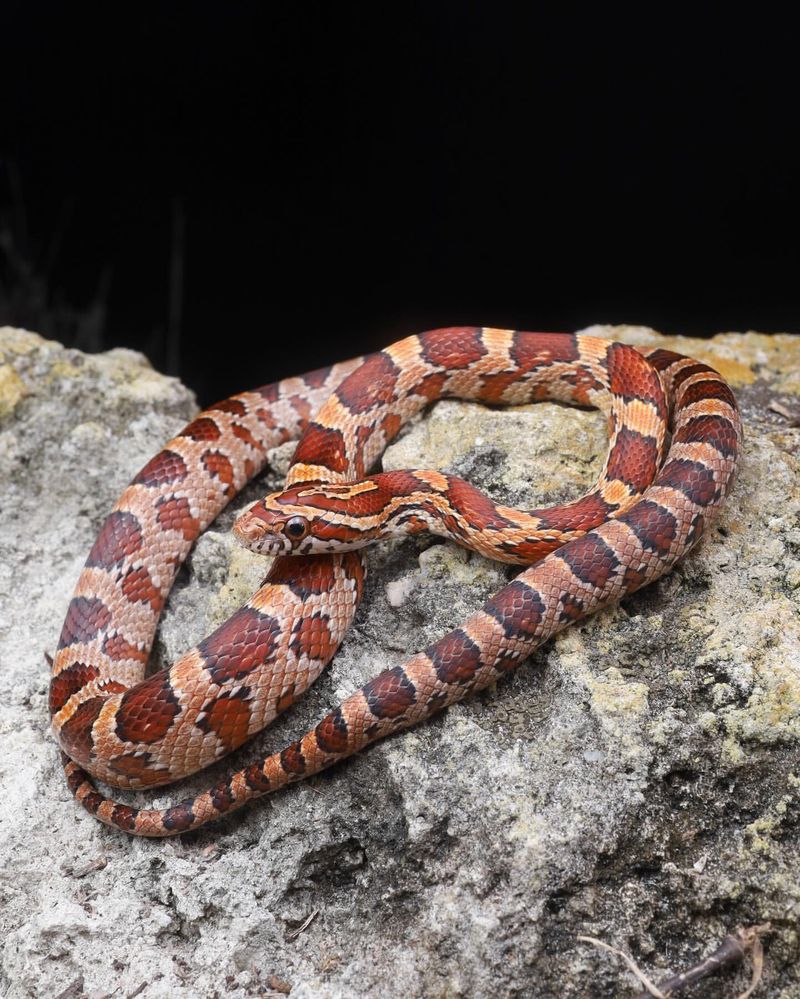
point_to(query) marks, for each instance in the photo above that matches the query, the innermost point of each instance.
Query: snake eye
(296, 528)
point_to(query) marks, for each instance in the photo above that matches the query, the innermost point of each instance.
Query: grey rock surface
(637, 781)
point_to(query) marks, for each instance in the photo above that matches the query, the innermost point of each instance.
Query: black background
(249, 190)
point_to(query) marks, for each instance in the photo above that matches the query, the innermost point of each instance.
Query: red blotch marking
(92, 801)
(717, 431)
(174, 514)
(311, 637)
(119, 538)
(322, 446)
(692, 478)
(363, 435)
(222, 796)
(86, 617)
(572, 607)
(518, 608)
(75, 776)
(708, 390)
(583, 383)
(292, 759)
(305, 575)
(390, 694)
(631, 376)
(180, 817)
(370, 385)
(354, 570)
(264, 416)
(582, 515)
(531, 550)
(271, 392)
(494, 386)
(331, 733)
(75, 735)
(138, 767)
(696, 530)
(453, 348)
(244, 642)
(244, 434)
(654, 526)
(679, 377)
(124, 817)
(432, 386)
(390, 424)
(591, 560)
(139, 588)
(456, 657)
(316, 379)
(147, 710)
(233, 406)
(633, 579)
(228, 716)
(633, 460)
(118, 648)
(662, 359)
(256, 778)
(68, 682)
(402, 483)
(302, 407)
(478, 509)
(202, 429)
(534, 350)
(165, 469)
(219, 467)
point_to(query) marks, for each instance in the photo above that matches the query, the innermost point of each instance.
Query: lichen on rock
(637, 781)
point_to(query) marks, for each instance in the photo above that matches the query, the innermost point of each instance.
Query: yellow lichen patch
(12, 389)
(764, 830)
(246, 572)
(613, 695)
(19, 342)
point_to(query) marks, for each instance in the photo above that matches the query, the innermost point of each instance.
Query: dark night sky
(348, 173)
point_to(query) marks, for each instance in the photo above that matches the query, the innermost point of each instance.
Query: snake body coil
(646, 511)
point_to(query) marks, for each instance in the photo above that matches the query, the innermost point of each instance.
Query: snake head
(309, 519)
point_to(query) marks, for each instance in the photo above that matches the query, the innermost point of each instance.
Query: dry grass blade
(751, 937)
(651, 988)
(303, 926)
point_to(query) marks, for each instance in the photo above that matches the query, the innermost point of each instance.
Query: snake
(675, 439)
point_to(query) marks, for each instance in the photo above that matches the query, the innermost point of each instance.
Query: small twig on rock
(303, 926)
(792, 415)
(731, 951)
(80, 872)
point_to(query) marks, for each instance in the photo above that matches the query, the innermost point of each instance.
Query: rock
(638, 781)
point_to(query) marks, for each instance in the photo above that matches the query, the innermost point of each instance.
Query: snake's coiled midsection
(646, 511)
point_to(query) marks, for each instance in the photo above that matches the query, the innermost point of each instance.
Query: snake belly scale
(650, 505)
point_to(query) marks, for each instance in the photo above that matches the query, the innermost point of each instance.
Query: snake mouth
(255, 531)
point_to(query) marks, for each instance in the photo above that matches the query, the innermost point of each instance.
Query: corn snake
(646, 511)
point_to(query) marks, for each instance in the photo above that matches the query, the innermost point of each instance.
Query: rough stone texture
(637, 781)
